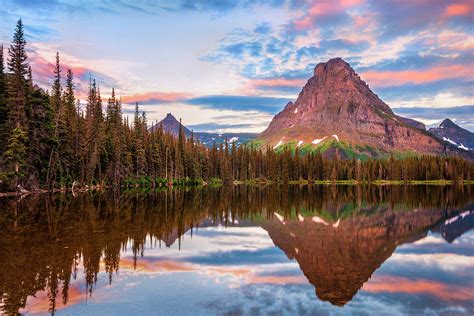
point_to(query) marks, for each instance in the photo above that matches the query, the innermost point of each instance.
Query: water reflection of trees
(43, 239)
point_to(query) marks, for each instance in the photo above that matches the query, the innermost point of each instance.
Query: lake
(241, 250)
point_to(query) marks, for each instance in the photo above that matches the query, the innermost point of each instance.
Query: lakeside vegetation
(49, 140)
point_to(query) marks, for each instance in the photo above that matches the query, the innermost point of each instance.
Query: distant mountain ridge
(453, 134)
(171, 125)
(337, 109)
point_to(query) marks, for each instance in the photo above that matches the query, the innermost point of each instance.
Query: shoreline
(254, 182)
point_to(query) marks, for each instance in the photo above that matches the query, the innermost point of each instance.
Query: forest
(48, 139)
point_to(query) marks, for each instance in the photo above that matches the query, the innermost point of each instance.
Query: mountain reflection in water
(338, 235)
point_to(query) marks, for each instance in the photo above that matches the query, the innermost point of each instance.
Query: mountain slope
(337, 106)
(453, 134)
(171, 126)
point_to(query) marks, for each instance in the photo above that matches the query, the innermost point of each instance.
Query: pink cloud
(43, 73)
(396, 78)
(40, 303)
(459, 9)
(276, 82)
(322, 8)
(396, 284)
(156, 97)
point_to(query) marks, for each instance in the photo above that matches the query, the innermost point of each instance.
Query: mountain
(453, 134)
(209, 139)
(171, 126)
(337, 109)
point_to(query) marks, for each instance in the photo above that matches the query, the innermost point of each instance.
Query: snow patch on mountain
(280, 142)
(449, 141)
(463, 147)
(318, 140)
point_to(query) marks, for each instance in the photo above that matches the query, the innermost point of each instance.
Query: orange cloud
(443, 291)
(144, 265)
(395, 78)
(320, 8)
(277, 82)
(40, 304)
(284, 279)
(459, 9)
(156, 97)
(246, 274)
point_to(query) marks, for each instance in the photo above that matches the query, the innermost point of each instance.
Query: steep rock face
(453, 134)
(336, 101)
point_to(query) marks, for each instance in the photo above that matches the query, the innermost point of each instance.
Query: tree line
(49, 140)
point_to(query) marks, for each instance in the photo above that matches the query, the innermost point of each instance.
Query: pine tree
(139, 144)
(18, 68)
(55, 157)
(16, 152)
(3, 105)
(70, 119)
(17, 101)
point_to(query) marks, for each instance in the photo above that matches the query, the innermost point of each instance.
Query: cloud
(401, 77)
(223, 6)
(457, 9)
(212, 127)
(321, 11)
(43, 73)
(440, 290)
(263, 28)
(240, 103)
(155, 97)
(279, 84)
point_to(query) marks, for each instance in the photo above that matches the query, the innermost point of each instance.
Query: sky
(229, 66)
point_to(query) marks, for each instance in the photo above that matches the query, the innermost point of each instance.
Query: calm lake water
(244, 250)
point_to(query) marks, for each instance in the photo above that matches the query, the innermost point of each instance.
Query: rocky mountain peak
(454, 135)
(170, 117)
(337, 105)
(171, 125)
(447, 123)
(332, 66)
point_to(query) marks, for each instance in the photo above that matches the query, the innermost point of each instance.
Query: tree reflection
(51, 238)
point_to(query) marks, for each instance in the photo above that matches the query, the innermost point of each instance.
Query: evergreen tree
(3, 105)
(58, 143)
(17, 101)
(139, 143)
(16, 152)
(18, 68)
